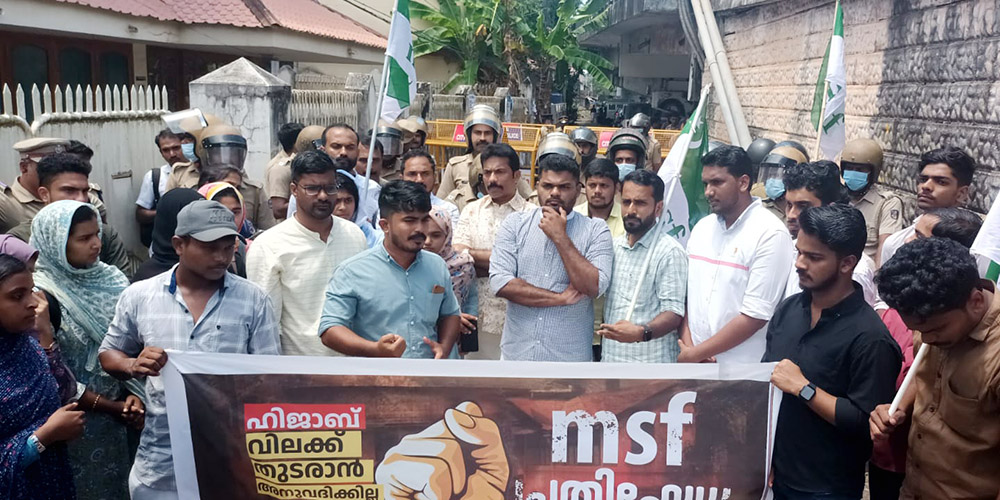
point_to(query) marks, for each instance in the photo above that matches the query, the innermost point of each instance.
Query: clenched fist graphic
(458, 457)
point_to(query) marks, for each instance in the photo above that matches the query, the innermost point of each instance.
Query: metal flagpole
(378, 112)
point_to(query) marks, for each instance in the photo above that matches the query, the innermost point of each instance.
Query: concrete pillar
(367, 85)
(246, 96)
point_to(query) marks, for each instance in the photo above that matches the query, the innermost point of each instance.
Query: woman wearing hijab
(67, 235)
(164, 224)
(230, 197)
(463, 273)
(33, 427)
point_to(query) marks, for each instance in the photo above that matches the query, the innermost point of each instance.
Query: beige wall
(920, 75)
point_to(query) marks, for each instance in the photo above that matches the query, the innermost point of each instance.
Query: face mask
(188, 149)
(624, 169)
(855, 180)
(774, 188)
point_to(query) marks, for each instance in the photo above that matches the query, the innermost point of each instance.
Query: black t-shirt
(850, 355)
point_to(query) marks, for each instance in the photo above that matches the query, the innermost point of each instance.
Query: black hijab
(164, 226)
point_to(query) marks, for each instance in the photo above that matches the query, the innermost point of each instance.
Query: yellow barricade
(446, 139)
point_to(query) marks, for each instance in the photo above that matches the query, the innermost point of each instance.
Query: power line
(364, 8)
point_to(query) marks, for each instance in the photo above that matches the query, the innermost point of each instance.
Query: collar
(21, 193)
(853, 302)
(384, 255)
(646, 241)
(616, 210)
(170, 281)
(755, 203)
(870, 196)
(517, 202)
(982, 329)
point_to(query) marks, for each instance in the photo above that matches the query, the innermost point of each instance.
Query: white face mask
(188, 149)
(624, 169)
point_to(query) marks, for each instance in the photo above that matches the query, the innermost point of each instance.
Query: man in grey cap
(19, 202)
(196, 306)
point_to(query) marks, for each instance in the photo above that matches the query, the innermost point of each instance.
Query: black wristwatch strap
(647, 333)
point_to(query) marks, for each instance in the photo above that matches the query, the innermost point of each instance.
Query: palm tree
(468, 30)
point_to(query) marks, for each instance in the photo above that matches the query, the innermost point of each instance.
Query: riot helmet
(630, 139)
(641, 121)
(759, 149)
(584, 138)
(558, 143)
(222, 145)
(482, 114)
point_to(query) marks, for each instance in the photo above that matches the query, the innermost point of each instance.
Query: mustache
(494, 186)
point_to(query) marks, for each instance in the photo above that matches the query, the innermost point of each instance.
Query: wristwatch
(807, 392)
(647, 333)
(33, 439)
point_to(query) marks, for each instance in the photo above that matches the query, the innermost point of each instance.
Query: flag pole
(378, 111)
(819, 128)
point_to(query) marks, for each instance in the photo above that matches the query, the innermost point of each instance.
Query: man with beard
(738, 266)
(647, 333)
(550, 263)
(944, 181)
(810, 185)
(477, 231)
(341, 141)
(461, 180)
(836, 363)
(394, 300)
(601, 183)
(294, 261)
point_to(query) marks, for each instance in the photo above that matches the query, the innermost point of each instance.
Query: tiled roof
(306, 16)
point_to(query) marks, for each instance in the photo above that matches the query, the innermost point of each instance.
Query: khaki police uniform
(883, 215)
(653, 154)
(776, 207)
(459, 176)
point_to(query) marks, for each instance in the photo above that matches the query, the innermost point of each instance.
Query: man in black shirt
(837, 362)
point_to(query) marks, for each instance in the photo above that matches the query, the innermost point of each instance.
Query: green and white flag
(684, 196)
(401, 85)
(987, 245)
(830, 100)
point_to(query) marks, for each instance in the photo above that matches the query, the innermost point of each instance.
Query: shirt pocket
(231, 335)
(960, 413)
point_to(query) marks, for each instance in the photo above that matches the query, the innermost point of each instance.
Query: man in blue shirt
(393, 300)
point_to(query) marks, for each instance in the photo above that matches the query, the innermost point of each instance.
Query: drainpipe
(723, 74)
(713, 67)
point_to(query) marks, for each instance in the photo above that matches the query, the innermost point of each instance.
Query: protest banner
(295, 427)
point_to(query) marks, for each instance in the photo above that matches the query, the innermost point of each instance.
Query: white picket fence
(118, 123)
(324, 107)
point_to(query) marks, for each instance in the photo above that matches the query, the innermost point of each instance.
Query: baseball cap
(205, 221)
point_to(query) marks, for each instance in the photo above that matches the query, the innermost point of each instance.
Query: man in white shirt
(294, 261)
(477, 232)
(816, 184)
(738, 266)
(418, 166)
(944, 182)
(172, 148)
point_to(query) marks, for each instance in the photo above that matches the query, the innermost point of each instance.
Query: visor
(188, 121)
(226, 155)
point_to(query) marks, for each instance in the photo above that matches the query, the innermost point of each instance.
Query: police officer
(642, 122)
(391, 138)
(769, 186)
(461, 180)
(586, 141)
(860, 165)
(628, 150)
(19, 202)
(558, 143)
(759, 149)
(218, 146)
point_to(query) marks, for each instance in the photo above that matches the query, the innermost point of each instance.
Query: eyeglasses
(329, 189)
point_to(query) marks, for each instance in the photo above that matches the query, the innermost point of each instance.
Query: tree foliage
(511, 42)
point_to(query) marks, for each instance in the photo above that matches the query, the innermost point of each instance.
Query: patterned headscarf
(459, 264)
(213, 189)
(88, 296)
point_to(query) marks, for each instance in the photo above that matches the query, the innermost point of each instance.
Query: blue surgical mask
(855, 180)
(624, 169)
(774, 188)
(188, 149)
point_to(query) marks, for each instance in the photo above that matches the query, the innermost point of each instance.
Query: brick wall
(920, 74)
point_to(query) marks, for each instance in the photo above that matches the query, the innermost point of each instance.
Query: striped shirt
(293, 265)
(522, 250)
(737, 270)
(152, 313)
(663, 290)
